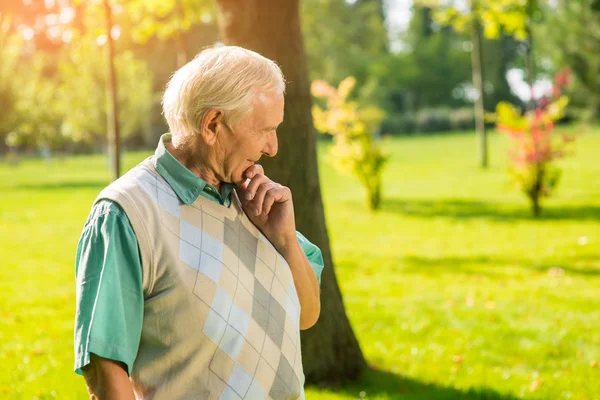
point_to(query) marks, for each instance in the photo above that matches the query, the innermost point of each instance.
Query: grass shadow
(375, 383)
(472, 265)
(466, 209)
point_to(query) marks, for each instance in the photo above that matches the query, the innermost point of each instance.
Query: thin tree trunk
(272, 28)
(476, 60)
(183, 55)
(536, 192)
(530, 57)
(112, 113)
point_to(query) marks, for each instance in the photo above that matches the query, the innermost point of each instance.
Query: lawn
(452, 289)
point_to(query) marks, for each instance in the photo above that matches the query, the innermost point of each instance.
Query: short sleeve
(109, 297)
(313, 253)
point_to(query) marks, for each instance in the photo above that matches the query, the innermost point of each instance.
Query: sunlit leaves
(495, 16)
(167, 18)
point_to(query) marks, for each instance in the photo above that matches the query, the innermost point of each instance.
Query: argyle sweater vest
(221, 312)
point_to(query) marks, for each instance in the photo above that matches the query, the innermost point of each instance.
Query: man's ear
(211, 124)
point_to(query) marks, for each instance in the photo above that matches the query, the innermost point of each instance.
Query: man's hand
(269, 206)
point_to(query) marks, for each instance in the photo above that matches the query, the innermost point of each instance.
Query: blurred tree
(82, 93)
(536, 146)
(500, 55)
(344, 38)
(489, 17)
(11, 48)
(577, 45)
(166, 34)
(469, 19)
(272, 27)
(168, 19)
(112, 103)
(356, 150)
(426, 82)
(431, 65)
(38, 118)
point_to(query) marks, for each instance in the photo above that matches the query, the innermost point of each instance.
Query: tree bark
(476, 60)
(272, 28)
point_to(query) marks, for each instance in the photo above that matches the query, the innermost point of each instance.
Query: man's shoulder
(142, 176)
(142, 192)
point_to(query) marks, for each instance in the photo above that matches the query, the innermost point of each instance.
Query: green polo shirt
(108, 267)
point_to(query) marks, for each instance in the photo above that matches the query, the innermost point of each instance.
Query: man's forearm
(107, 379)
(305, 281)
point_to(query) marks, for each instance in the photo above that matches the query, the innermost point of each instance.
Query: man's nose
(271, 146)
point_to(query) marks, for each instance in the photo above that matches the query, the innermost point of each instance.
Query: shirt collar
(184, 182)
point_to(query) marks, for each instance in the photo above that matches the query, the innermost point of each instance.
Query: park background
(454, 285)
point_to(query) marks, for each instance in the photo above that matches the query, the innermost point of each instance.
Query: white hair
(224, 77)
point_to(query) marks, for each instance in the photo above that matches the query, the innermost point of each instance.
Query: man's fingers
(263, 189)
(253, 186)
(260, 193)
(272, 196)
(254, 170)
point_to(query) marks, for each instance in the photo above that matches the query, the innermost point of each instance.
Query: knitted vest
(221, 312)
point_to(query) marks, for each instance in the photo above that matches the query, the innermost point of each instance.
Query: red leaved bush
(536, 144)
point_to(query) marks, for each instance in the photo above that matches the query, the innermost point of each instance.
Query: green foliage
(56, 106)
(11, 46)
(163, 19)
(352, 125)
(343, 39)
(576, 45)
(82, 93)
(499, 56)
(167, 18)
(428, 69)
(431, 73)
(495, 16)
(37, 109)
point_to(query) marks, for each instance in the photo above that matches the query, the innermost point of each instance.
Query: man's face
(252, 137)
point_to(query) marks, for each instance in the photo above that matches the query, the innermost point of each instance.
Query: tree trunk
(112, 114)
(373, 195)
(530, 58)
(272, 28)
(183, 55)
(535, 193)
(476, 60)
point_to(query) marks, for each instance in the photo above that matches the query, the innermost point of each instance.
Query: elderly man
(192, 282)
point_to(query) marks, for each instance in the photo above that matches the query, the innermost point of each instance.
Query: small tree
(355, 149)
(535, 144)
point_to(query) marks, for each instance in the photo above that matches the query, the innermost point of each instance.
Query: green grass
(452, 289)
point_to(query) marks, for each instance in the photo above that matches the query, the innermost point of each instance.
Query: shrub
(535, 145)
(354, 150)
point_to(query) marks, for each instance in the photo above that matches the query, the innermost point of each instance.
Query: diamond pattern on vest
(253, 315)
